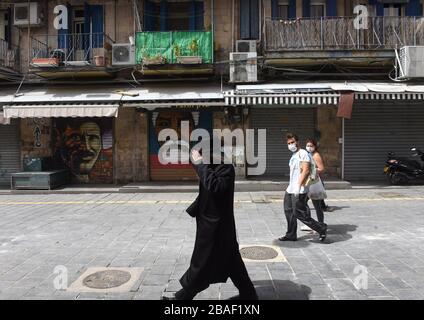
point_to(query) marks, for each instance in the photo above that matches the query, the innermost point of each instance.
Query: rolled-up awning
(3, 120)
(320, 93)
(60, 110)
(306, 98)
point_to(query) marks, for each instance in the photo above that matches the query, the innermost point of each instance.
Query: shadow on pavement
(336, 208)
(281, 290)
(335, 233)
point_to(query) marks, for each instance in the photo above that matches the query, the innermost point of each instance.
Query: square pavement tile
(105, 280)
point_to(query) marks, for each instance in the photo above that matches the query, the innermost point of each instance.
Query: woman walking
(319, 204)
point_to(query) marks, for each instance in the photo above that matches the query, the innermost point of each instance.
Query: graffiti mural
(40, 128)
(84, 146)
(172, 120)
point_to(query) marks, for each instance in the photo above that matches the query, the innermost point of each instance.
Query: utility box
(412, 61)
(45, 180)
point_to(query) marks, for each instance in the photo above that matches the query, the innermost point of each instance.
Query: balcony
(80, 53)
(9, 58)
(339, 33)
(333, 42)
(178, 52)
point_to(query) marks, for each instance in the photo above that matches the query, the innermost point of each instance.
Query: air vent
(243, 67)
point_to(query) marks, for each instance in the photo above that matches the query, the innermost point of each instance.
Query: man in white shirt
(295, 199)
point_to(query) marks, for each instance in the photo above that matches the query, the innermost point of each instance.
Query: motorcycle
(401, 170)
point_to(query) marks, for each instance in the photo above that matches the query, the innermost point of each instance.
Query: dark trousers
(240, 277)
(295, 207)
(319, 209)
(319, 206)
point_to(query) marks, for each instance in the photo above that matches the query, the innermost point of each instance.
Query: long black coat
(216, 244)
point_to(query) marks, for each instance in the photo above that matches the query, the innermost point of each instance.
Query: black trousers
(295, 207)
(319, 209)
(238, 275)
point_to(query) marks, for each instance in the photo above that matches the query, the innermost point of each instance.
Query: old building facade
(90, 84)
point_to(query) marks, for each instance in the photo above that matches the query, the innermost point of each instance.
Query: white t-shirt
(295, 165)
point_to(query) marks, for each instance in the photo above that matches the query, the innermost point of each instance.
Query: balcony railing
(9, 56)
(73, 49)
(174, 47)
(339, 33)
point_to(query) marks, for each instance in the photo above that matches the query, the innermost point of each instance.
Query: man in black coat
(216, 255)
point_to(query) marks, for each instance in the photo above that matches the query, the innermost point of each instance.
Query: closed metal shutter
(278, 122)
(377, 128)
(10, 156)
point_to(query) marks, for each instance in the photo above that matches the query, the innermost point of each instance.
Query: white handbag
(317, 191)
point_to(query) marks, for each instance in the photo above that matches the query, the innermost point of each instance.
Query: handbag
(313, 177)
(317, 191)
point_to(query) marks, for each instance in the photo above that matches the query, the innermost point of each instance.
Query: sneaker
(305, 228)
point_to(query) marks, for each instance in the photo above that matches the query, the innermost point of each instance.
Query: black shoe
(250, 296)
(286, 239)
(181, 295)
(323, 235)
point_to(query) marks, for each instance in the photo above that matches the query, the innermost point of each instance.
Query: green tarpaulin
(169, 45)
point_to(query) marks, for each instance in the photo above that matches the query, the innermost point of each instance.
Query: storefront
(380, 125)
(166, 107)
(281, 109)
(10, 156)
(63, 129)
(162, 119)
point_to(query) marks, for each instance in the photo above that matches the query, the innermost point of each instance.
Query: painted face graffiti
(82, 147)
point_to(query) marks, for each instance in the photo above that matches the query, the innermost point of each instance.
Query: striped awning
(296, 98)
(60, 110)
(389, 96)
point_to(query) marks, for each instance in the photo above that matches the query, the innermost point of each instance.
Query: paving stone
(160, 239)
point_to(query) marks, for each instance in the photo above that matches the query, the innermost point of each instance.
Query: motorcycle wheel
(397, 178)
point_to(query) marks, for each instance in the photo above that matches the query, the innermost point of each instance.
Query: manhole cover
(107, 279)
(258, 253)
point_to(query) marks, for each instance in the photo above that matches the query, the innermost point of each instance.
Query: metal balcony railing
(9, 56)
(73, 49)
(340, 33)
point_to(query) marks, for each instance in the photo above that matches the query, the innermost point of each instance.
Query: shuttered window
(249, 19)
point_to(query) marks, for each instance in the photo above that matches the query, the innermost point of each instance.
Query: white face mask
(292, 147)
(310, 149)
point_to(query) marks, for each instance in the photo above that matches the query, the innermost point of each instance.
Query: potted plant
(193, 47)
(153, 60)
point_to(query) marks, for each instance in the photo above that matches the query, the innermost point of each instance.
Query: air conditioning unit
(412, 61)
(246, 45)
(24, 13)
(243, 67)
(123, 54)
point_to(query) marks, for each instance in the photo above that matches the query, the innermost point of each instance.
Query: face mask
(292, 147)
(310, 149)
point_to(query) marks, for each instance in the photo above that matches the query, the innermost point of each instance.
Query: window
(394, 10)
(3, 25)
(249, 19)
(174, 15)
(283, 9)
(317, 9)
(179, 15)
